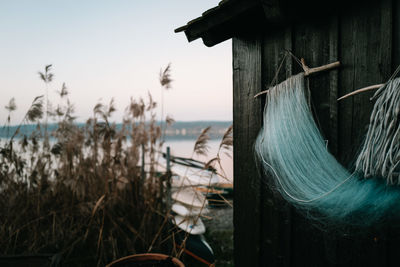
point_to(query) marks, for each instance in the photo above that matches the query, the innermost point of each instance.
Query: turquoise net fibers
(292, 149)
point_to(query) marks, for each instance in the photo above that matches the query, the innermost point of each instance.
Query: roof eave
(222, 22)
(235, 17)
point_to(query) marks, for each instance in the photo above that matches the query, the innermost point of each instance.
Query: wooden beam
(247, 121)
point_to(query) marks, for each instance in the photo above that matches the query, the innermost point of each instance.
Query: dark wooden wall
(268, 232)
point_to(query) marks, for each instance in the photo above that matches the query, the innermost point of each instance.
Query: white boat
(196, 176)
(185, 211)
(189, 197)
(193, 170)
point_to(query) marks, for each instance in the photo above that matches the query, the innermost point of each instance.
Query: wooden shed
(365, 37)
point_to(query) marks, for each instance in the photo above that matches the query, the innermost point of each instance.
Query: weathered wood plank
(362, 40)
(365, 50)
(392, 238)
(333, 85)
(311, 43)
(366, 53)
(396, 35)
(275, 212)
(247, 119)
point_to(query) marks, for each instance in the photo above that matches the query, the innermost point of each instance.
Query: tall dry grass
(84, 193)
(89, 194)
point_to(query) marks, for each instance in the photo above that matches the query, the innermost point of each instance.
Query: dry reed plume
(84, 196)
(88, 193)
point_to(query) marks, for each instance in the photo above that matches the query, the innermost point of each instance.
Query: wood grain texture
(314, 42)
(366, 49)
(392, 236)
(366, 41)
(247, 119)
(275, 212)
(333, 85)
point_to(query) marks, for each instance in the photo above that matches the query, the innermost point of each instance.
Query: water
(184, 148)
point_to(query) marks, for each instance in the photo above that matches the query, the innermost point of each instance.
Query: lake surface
(184, 148)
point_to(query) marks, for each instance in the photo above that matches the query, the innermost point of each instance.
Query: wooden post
(247, 119)
(168, 176)
(168, 159)
(142, 168)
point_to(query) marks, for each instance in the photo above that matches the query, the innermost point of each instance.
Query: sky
(105, 49)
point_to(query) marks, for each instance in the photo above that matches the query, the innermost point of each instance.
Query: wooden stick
(322, 68)
(261, 93)
(310, 71)
(371, 87)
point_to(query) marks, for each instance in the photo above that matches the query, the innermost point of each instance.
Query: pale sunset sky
(112, 48)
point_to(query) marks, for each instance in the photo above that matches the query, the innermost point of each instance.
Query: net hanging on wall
(291, 148)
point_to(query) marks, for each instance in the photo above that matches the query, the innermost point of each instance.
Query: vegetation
(90, 193)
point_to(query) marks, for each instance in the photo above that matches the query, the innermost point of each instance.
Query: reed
(86, 193)
(82, 195)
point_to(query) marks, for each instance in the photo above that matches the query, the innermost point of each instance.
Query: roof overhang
(233, 17)
(229, 17)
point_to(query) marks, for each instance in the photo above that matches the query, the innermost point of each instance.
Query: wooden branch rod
(371, 87)
(322, 68)
(310, 71)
